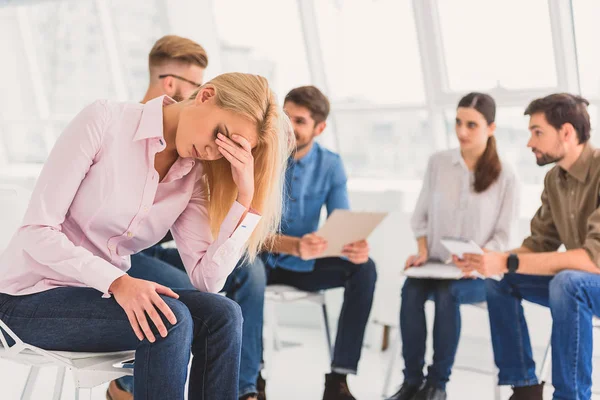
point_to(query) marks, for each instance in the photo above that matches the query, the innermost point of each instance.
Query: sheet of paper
(344, 227)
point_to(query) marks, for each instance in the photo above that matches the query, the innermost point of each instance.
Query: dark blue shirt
(316, 180)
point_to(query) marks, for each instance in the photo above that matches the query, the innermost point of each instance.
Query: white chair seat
(286, 294)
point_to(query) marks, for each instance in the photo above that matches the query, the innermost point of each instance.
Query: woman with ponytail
(469, 193)
(210, 169)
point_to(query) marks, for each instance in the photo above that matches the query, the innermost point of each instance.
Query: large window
(370, 51)
(384, 145)
(373, 69)
(585, 14)
(489, 44)
(60, 62)
(134, 40)
(263, 37)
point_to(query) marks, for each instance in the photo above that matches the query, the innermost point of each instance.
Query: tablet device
(459, 247)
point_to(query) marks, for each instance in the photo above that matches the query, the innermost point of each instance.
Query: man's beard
(301, 146)
(177, 96)
(547, 158)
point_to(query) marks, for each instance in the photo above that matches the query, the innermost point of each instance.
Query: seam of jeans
(520, 343)
(205, 354)
(577, 335)
(145, 396)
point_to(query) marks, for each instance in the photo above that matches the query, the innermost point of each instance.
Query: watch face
(513, 263)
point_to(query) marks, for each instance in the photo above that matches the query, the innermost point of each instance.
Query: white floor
(297, 372)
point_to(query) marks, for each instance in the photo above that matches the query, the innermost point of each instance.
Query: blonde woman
(211, 169)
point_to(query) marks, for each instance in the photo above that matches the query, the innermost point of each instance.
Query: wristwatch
(512, 263)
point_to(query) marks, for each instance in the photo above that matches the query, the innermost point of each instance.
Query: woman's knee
(214, 312)
(183, 328)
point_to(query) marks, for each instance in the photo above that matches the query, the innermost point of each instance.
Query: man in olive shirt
(567, 282)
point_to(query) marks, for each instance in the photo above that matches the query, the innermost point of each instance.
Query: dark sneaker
(261, 386)
(336, 388)
(534, 392)
(429, 392)
(406, 392)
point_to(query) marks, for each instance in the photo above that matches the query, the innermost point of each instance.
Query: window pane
(585, 13)
(383, 144)
(512, 135)
(359, 67)
(138, 24)
(263, 37)
(70, 48)
(489, 43)
(24, 141)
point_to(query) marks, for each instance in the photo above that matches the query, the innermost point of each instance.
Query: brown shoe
(114, 392)
(535, 392)
(336, 388)
(261, 386)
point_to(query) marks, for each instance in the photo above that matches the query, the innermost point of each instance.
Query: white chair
(395, 355)
(288, 294)
(89, 369)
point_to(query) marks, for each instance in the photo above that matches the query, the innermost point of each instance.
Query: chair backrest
(13, 204)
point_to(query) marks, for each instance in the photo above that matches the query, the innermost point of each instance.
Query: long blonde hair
(250, 96)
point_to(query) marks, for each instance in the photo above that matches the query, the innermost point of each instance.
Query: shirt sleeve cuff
(101, 274)
(231, 220)
(245, 228)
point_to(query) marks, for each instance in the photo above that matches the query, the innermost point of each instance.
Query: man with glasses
(176, 67)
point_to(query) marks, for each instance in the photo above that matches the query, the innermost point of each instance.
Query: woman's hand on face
(140, 298)
(238, 151)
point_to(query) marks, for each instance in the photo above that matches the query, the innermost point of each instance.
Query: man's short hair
(562, 108)
(176, 48)
(311, 98)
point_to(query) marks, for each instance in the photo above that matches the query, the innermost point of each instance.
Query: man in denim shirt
(316, 178)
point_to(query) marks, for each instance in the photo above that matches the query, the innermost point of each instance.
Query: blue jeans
(245, 286)
(448, 295)
(573, 298)
(79, 319)
(359, 283)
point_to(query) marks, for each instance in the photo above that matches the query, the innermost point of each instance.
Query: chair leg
(544, 371)
(497, 393)
(60, 379)
(394, 349)
(327, 333)
(83, 394)
(30, 383)
(271, 318)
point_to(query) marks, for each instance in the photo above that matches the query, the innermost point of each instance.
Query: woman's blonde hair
(250, 96)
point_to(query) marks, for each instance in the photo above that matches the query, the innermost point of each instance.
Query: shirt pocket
(313, 202)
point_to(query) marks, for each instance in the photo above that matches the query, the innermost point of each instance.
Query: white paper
(344, 227)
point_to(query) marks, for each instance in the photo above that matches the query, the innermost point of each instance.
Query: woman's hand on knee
(140, 298)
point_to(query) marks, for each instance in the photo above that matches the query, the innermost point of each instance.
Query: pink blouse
(98, 200)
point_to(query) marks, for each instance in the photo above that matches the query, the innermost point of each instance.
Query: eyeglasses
(181, 78)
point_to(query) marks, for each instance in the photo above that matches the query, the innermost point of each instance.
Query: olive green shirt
(569, 213)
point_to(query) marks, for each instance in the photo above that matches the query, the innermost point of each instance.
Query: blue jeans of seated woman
(245, 286)
(79, 319)
(447, 295)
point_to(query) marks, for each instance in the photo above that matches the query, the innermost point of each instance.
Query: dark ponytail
(488, 167)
